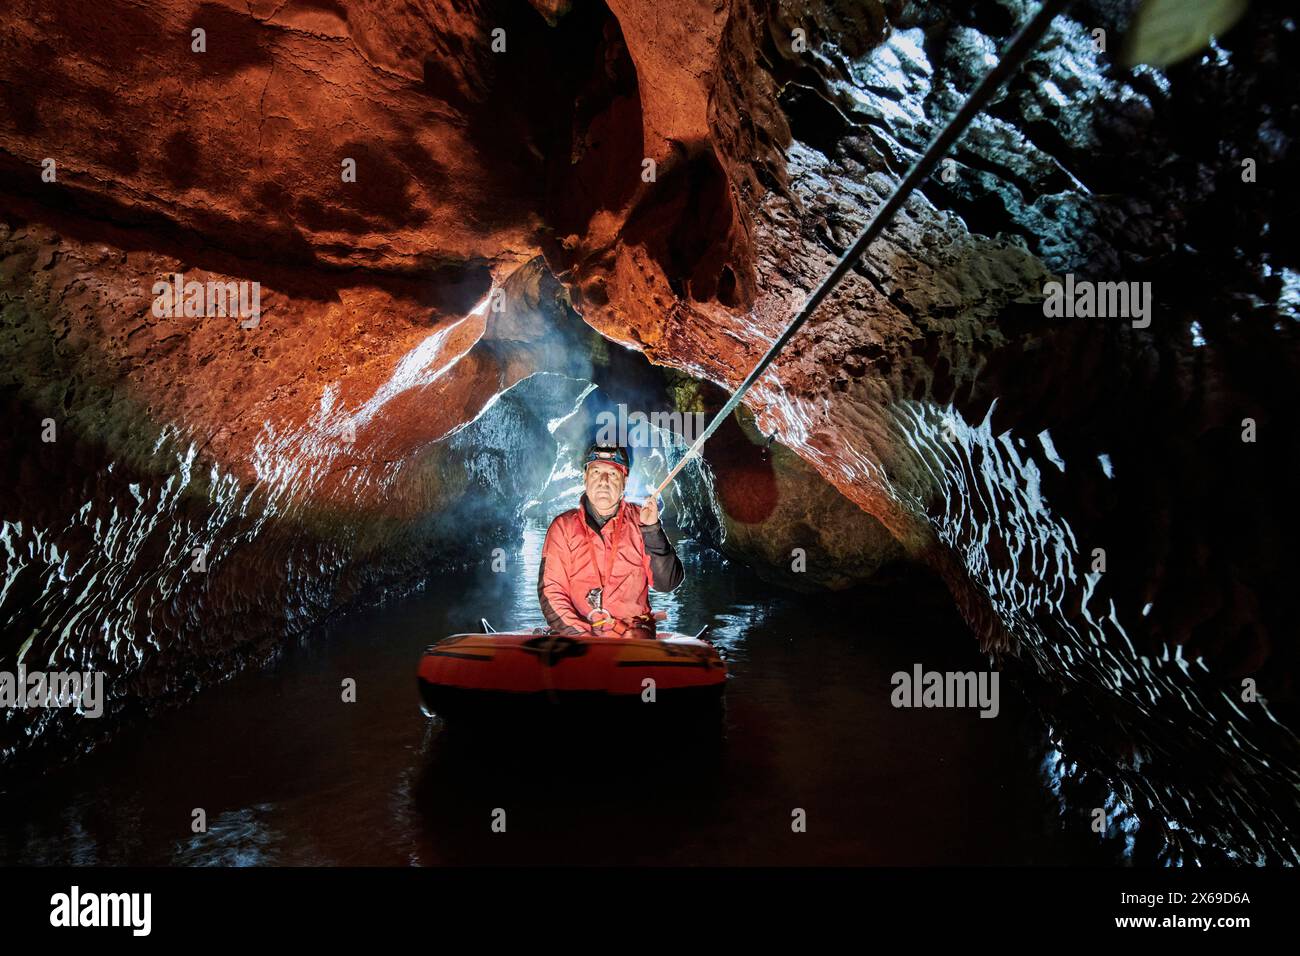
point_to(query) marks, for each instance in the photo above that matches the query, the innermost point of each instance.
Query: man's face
(604, 486)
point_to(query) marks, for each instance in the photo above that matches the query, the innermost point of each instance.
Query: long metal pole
(1019, 48)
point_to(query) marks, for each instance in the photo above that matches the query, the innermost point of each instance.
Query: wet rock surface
(932, 390)
(342, 445)
(167, 529)
(777, 514)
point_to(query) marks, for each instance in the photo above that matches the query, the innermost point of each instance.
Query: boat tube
(499, 669)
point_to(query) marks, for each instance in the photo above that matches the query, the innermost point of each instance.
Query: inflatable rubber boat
(493, 670)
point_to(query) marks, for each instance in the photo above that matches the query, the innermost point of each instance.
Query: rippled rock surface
(1005, 446)
(170, 515)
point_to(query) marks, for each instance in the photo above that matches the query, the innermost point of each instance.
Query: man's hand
(650, 512)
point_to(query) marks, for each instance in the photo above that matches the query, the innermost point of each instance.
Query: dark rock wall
(1027, 443)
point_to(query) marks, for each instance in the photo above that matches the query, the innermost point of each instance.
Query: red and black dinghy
(493, 669)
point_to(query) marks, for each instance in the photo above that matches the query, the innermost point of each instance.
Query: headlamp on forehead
(610, 454)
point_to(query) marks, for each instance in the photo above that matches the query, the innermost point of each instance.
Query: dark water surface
(289, 774)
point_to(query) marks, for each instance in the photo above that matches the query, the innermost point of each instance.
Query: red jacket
(575, 559)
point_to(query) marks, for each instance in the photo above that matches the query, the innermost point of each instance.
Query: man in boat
(601, 559)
